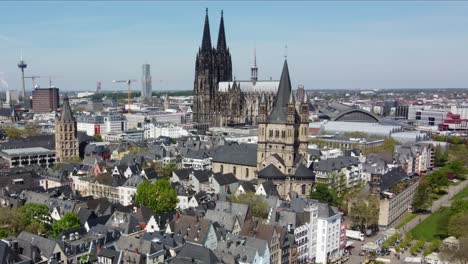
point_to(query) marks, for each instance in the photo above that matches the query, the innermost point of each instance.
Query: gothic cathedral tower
(211, 67)
(282, 135)
(66, 139)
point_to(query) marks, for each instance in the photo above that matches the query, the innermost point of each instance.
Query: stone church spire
(254, 68)
(221, 35)
(280, 105)
(206, 40)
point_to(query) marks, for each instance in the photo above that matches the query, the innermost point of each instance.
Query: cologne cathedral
(219, 100)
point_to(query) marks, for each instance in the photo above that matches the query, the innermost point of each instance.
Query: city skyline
(330, 45)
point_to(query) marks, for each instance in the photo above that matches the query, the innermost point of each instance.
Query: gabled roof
(270, 188)
(247, 185)
(192, 228)
(240, 154)
(202, 175)
(334, 164)
(271, 172)
(191, 253)
(302, 172)
(225, 179)
(45, 245)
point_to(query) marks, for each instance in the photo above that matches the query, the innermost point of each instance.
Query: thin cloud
(15, 42)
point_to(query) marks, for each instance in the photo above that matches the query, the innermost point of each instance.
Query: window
(222, 168)
(234, 170)
(246, 172)
(270, 133)
(303, 189)
(283, 134)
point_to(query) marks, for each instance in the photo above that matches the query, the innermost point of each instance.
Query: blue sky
(338, 44)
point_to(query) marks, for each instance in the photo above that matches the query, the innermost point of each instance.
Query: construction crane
(129, 90)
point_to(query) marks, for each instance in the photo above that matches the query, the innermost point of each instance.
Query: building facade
(45, 100)
(66, 138)
(282, 147)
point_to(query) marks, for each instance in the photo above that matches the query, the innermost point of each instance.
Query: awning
(349, 243)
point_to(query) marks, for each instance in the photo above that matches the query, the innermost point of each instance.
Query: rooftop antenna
(285, 52)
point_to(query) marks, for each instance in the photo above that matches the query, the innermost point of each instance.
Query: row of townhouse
(415, 158)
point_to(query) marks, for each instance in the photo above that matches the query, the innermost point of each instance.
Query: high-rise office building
(45, 100)
(146, 89)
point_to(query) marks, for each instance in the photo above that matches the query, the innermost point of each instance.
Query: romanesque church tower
(282, 134)
(66, 139)
(211, 67)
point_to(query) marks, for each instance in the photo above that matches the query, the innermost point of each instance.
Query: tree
(97, 138)
(458, 224)
(439, 138)
(31, 129)
(167, 170)
(438, 180)
(364, 210)
(159, 196)
(35, 217)
(422, 197)
(258, 206)
(456, 168)
(323, 194)
(455, 140)
(455, 254)
(68, 221)
(440, 156)
(13, 133)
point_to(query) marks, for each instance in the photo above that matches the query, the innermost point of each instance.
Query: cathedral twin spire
(206, 41)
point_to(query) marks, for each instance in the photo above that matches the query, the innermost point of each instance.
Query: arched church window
(271, 133)
(277, 134)
(283, 134)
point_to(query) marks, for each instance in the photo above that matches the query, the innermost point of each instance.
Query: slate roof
(270, 172)
(236, 247)
(191, 253)
(142, 246)
(225, 179)
(314, 152)
(183, 174)
(334, 164)
(326, 211)
(302, 172)
(224, 219)
(247, 185)
(240, 154)
(279, 111)
(270, 188)
(40, 141)
(150, 174)
(45, 245)
(241, 210)
(126, 222)
(67, 115)
(202, 175)
(192, 228)
(391, 178)
(7, 255)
